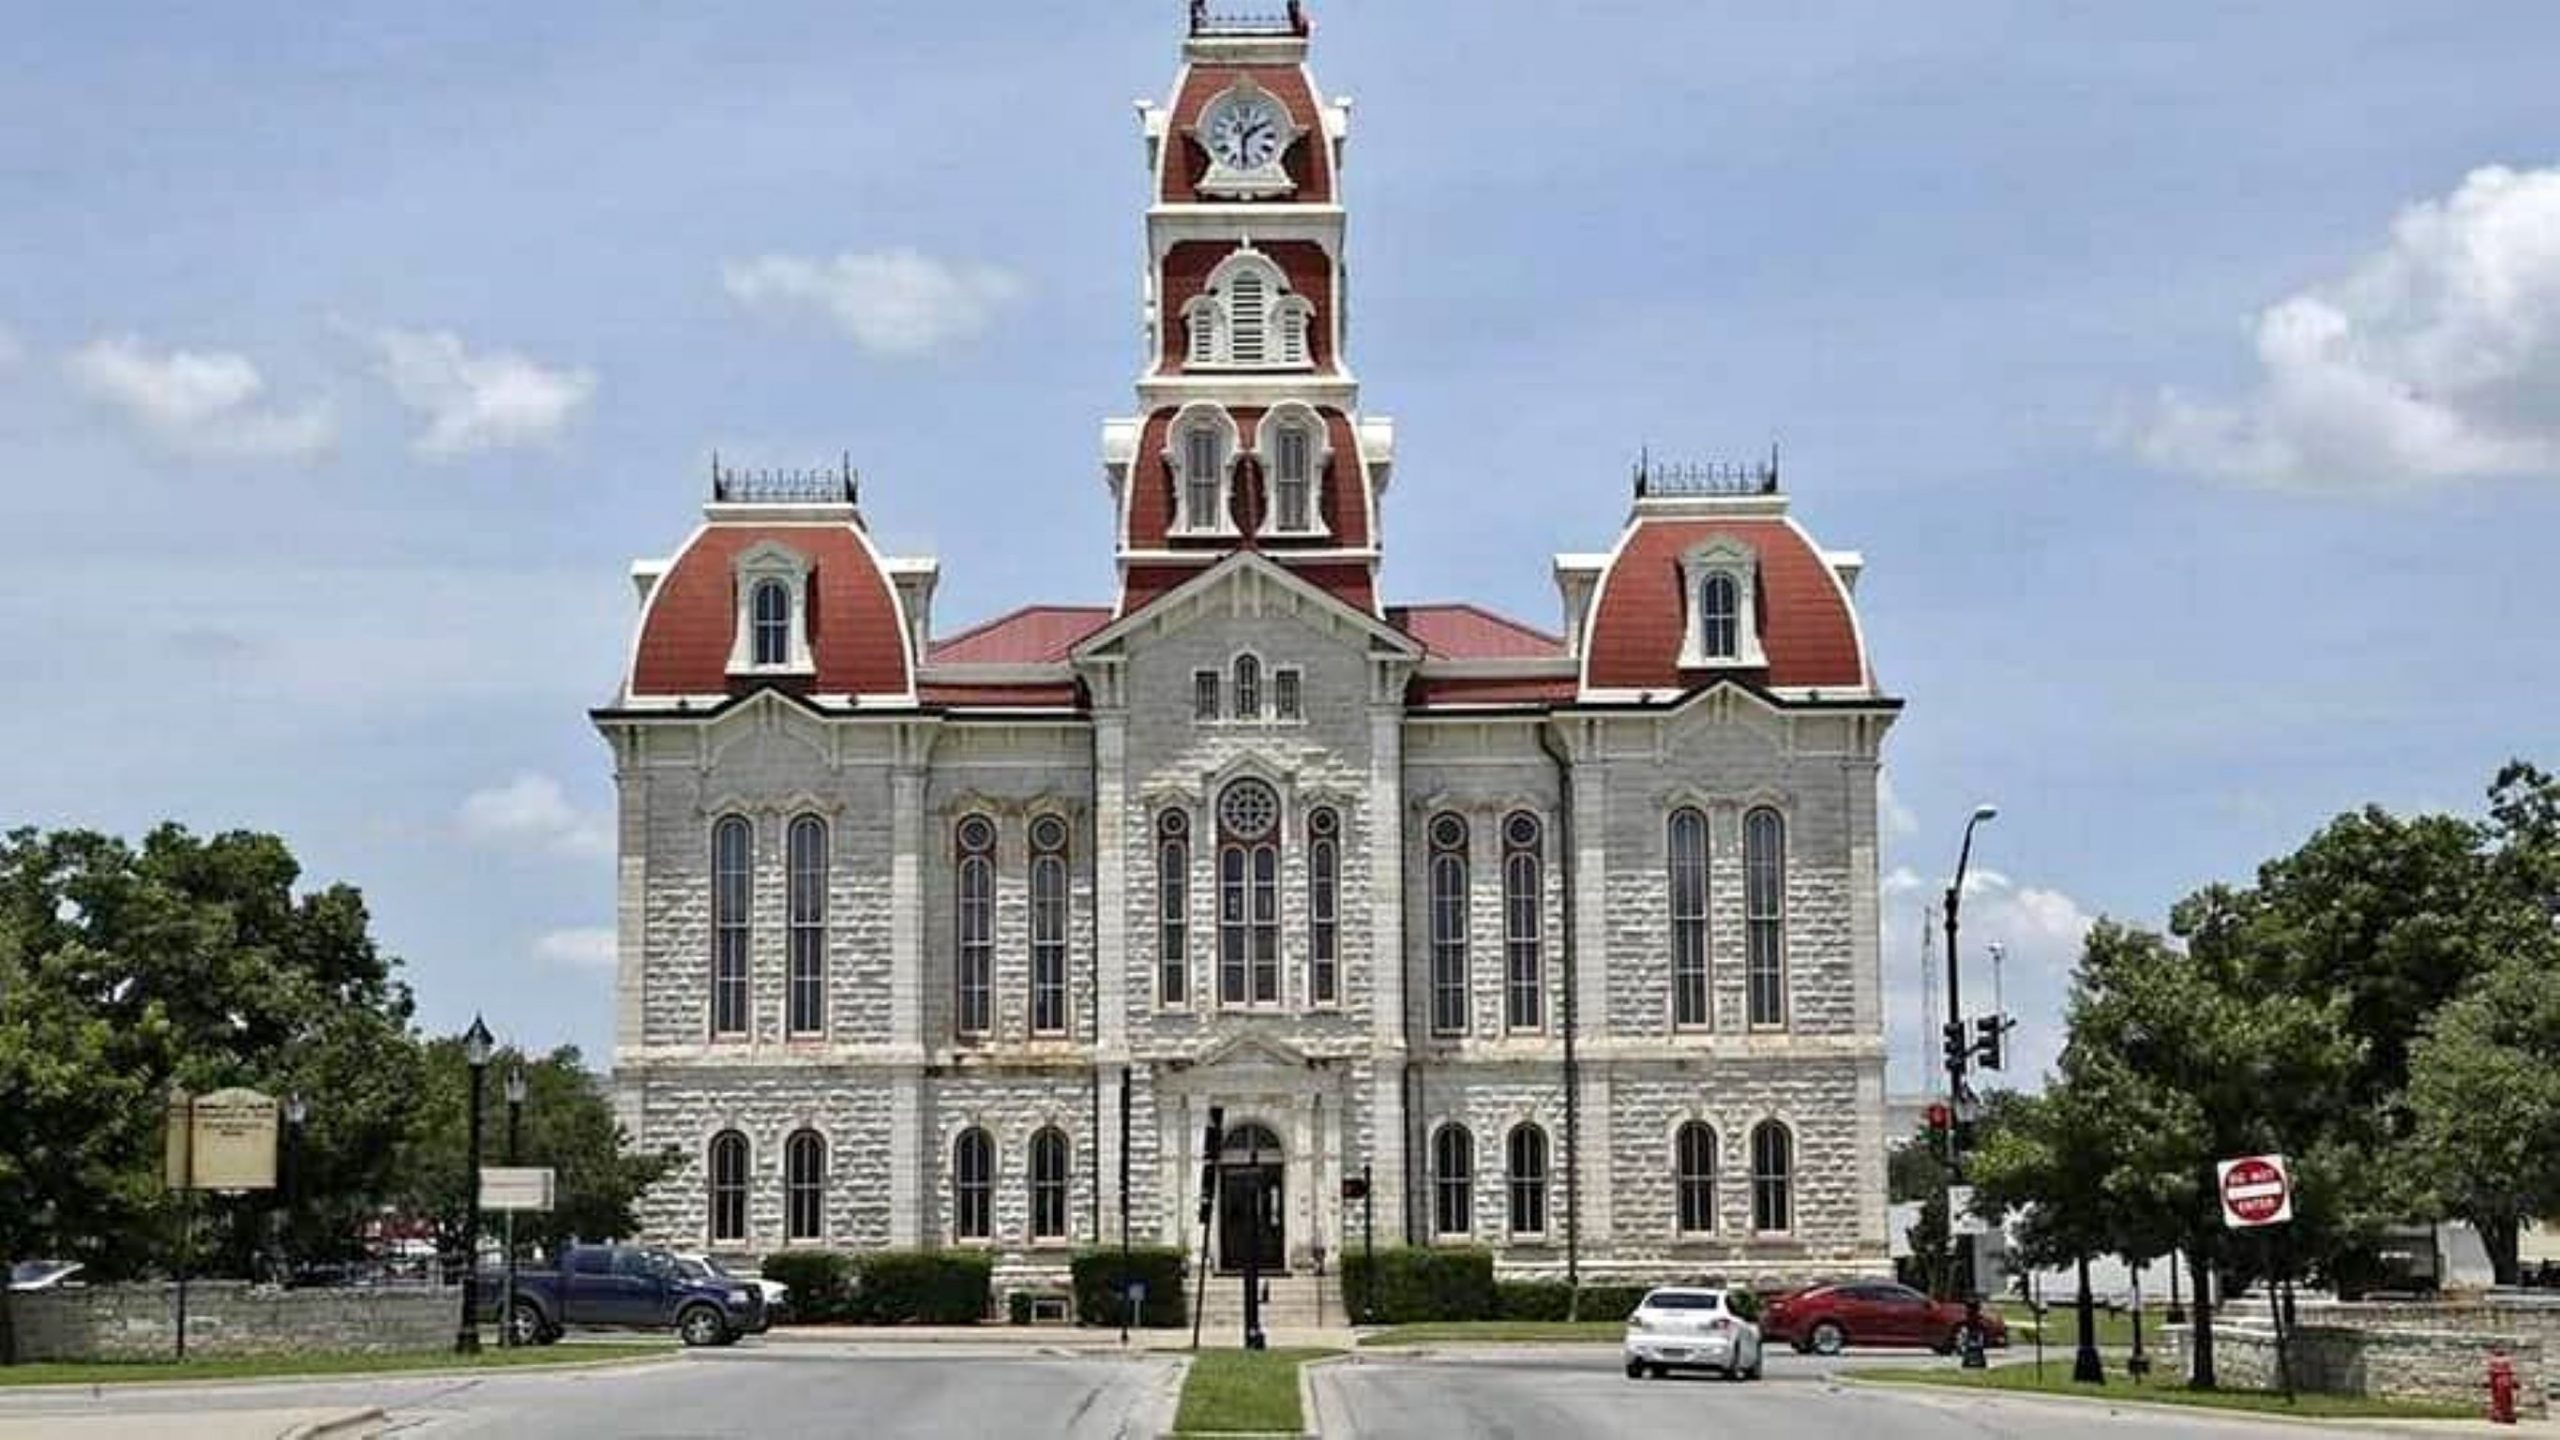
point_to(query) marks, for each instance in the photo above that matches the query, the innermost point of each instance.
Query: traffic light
(1958, 1048)
(1987, 1033)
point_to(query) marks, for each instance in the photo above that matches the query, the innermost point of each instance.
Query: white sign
(2256, 1190)
(515, 1187)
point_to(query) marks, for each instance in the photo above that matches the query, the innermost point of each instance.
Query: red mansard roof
(1469, 632)
(1641, 615)
(1308, 162)
(1032, 635)
(855, 627)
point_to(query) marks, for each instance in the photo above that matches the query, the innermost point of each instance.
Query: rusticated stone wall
(229, 1318)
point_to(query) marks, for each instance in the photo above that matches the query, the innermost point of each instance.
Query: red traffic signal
(1941, 1118)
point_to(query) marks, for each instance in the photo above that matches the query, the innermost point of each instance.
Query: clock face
(1246, 134)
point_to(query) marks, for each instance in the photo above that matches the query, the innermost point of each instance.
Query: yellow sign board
(222, 1141)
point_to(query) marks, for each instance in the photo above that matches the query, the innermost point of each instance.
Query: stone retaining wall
(2449, 1366)
(230, 1317)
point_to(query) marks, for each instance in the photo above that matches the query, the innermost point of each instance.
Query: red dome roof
(857, 633)
(1641, 615)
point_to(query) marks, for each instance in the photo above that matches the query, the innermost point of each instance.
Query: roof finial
(1199, 16)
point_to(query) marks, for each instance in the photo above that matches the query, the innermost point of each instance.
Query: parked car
(1680, 1327)
(777, 1295)
(43, 1274)
(624, 1287)
(1829, 1318)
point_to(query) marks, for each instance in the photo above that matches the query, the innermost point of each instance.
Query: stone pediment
(1244, 1056)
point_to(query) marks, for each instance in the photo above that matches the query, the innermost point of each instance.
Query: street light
(296, 1110)
(1955, 1054)
(507, 1294)
(476, 1045)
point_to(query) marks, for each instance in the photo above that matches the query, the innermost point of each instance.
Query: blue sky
(2189, 374)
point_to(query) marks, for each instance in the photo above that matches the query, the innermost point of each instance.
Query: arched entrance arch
(1253, 1176)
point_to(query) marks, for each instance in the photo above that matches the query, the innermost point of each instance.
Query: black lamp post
(476, 1044)
(1956, 1053)
(296, 1110)
(515, 1120)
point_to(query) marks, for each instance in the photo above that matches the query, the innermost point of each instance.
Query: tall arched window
(804, 1186)
(973, 1184)
(975, 971)
(1324, 906)
(728, 1169)
(1048, 1184)
(1248, 688)
(1689, 919)
(1448, 924)
(1693, 1164)
(1293, 479)
(1248, 894)
(1525, 1154)
(807, 864)
(1453, 1171)
(732, 909)
(1204, 476)
(1173, 908)
(1764, 909)
(1523, 926)
(772, 611)
(1773, 1163)
(1048, 926)
(1719, 616)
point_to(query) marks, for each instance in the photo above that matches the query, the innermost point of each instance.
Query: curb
(353, 1422)
(325, 1377)
(2420, 1425)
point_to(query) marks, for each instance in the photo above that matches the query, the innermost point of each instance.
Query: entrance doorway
(1251, 1177)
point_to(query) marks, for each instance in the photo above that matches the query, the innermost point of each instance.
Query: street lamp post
(296, 1110)
(515, 1117)
(476, 1044)
(1955, 1054)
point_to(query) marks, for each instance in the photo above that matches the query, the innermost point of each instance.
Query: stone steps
(1290, 1302)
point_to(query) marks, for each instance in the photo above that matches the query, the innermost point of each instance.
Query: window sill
(1203, 532)
(803, 670)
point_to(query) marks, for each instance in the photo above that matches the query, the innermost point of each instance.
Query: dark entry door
(1252, 1178)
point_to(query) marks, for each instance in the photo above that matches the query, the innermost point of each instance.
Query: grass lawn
(1255, 1390)
(2021, 1379)
(2062, 1326)
(1501, 1332)
(267, 1367)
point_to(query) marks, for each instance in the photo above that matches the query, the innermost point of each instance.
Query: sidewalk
(1050, 1337)
(340, 1424)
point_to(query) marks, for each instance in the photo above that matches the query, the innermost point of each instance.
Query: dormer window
(1293, 445)
(1201, 455)
(1247, 319)
(1721, 578)
(773, 612)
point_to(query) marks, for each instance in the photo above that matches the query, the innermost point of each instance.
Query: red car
(1829, 1318)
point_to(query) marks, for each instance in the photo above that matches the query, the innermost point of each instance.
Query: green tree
(2484, 1093)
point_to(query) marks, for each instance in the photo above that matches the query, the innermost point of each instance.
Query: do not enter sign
(2255, 1191)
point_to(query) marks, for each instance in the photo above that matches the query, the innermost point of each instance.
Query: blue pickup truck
(625, 1287)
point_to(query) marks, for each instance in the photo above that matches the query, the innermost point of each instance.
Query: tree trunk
(8, 1318)
(2501, 1238)
(2200, 1270)
(2085, 1366)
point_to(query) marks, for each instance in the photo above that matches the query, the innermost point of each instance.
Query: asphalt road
(936, 1391)
(1538, 1395)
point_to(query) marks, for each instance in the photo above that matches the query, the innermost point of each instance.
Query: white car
(1691, 1328)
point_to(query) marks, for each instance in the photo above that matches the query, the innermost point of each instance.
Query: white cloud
(198, 402)
(2040, 932)
(592, 948)
(890, 302)
(532, 812)
(473, 402)
(1891, 813)
(2436, 358)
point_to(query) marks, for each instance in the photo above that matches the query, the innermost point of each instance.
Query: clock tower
(1249, 433)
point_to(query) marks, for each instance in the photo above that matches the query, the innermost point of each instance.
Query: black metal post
(1252, 1177)
(1955, 1057)
(295, 1112)
(2086, 1369)
(1369, 1241)
(1208, 1206)
(507, 1293)
(1125, 1282)
(475, 1051)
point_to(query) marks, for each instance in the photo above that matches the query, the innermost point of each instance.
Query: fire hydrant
(2502, 1389)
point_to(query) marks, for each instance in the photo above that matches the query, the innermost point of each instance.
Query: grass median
(291, 1367)
(2021, 1379)
(1500, 1332)
(1248, 1391)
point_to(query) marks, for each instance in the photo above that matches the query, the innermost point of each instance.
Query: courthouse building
(1564, 932)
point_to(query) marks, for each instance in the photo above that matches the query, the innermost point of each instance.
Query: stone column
(1302, 1178)
(912, 1163)
(1388, 962)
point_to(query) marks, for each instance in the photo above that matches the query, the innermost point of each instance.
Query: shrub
(1414, 1283)
(924, 1287)
(1161, 1270)
(821, 1284)
(1610, 1302)
(1017, 1307)
(1533, 1299)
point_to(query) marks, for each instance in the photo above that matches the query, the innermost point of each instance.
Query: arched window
(1173, 908)
(1523, 926)
(1248, 894)
(1448, 924)
(807, 864)
(1693, 1165)
(1204, 476)
(1764, 910)
(1526, 1157)
(1453, 1169)
(1773, 1163)
(1248, 688)
(732, 909)
(773, 623)
(804, 1186)
(1324, 906)
(1048, 1184)
(728, 1168)
(1689, 919)
(1048, 926)
(973, 1182)
(1205, 317)
(1290, 317)
(975, 971)
(1719, 616)
(1293, 479)
(1248, 317)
